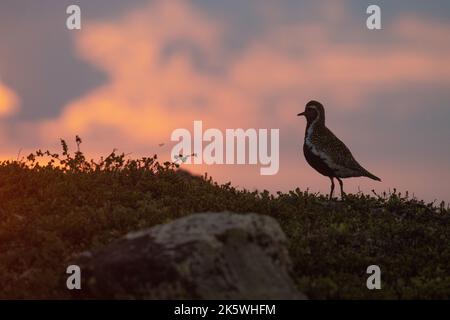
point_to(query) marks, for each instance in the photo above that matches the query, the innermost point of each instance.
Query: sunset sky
(139, 69)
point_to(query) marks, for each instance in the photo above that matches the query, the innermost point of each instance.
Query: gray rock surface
(201, 256)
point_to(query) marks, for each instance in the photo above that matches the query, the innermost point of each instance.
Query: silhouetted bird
(325, 152)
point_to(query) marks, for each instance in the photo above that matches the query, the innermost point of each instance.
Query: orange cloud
(151, 91)
(145, 94)
(305, 58)
(8, 101)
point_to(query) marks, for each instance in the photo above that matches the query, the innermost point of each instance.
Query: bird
(325, 152)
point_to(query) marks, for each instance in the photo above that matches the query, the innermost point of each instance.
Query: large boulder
(201, 256)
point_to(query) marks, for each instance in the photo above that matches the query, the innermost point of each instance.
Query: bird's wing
(339, 156)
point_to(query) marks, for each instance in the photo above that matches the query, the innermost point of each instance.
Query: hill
(54, 206)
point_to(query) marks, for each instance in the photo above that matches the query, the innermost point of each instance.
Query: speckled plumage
(325, 152)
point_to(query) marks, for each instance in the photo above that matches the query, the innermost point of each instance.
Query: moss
(51, 211)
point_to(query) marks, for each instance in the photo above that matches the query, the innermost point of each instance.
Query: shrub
(53, 207)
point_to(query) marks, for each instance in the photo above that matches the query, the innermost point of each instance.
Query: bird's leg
(332, 188)
(341, 184)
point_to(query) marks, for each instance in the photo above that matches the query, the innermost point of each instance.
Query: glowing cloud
(8, 101)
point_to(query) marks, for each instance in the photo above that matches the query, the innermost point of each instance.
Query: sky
(139, 69)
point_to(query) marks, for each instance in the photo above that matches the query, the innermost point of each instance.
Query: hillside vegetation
(53, 207)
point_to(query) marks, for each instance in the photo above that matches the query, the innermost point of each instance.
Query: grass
(54, 206)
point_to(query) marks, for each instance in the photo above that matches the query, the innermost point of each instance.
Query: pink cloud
(9, 101)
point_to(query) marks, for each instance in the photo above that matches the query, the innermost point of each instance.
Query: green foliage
(53, 207)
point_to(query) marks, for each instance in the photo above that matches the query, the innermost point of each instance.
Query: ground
(49, 212)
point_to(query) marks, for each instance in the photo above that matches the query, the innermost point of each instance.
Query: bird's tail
(371, 176)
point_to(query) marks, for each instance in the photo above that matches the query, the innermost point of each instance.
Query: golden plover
(325, 152)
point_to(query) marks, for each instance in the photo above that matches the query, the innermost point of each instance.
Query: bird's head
(313, 110)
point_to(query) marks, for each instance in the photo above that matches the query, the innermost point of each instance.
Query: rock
(201, 256)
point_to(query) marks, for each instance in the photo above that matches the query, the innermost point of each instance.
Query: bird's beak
(301, 114)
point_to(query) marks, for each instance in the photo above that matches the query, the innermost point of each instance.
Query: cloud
(9, 101)
(307, 58)
(152, 89)
(148, 89)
